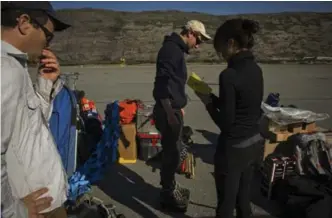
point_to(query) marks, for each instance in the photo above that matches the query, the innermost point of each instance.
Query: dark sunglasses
(48, 35)
(198, 38)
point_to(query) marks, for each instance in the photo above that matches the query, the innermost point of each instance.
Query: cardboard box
(269, 148)
(127, 146)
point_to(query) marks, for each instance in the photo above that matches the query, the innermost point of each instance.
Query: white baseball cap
(197, 26)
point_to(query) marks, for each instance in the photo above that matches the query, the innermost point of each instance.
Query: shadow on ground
(206, 151)
(129, 189)
(210, 136)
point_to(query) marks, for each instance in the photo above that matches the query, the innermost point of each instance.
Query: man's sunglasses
(198, 38)
(48, 35)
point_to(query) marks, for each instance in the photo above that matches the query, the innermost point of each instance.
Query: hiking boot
(184, 191)
(175, 200)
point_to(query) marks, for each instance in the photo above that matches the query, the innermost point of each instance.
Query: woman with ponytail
(237, 113)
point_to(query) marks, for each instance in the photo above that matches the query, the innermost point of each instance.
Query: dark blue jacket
(171, 75)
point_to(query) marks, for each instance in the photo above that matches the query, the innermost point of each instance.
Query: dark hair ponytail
(240, 30)
(250, 26)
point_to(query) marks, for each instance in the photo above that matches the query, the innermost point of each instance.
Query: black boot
(175, 200)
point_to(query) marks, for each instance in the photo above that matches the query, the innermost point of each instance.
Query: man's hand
(49, 66)
(182, 111)
(35, 204)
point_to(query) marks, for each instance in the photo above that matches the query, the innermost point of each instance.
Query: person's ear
(24, 25)
(230, 43)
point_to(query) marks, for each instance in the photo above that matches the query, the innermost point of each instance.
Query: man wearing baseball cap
(198, 28)
(32, 176)
(169, 94)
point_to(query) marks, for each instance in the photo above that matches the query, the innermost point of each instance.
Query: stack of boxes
(279, 165)
(275, 133)
(139, 138)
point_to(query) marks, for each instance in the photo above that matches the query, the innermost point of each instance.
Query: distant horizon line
(198, 12)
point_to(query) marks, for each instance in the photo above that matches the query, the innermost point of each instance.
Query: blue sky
(218, 8)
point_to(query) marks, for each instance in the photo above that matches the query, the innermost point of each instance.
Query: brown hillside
(104, 36)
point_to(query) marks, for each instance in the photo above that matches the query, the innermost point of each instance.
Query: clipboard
(198, 85)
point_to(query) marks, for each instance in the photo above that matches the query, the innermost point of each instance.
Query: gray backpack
(314, 155)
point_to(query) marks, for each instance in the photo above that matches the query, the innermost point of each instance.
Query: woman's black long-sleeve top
(237, 110)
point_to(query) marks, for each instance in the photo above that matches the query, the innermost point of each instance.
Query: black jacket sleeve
(223, 111)
(166, 64)
(164, 68)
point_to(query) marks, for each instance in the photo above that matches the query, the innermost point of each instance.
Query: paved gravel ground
(134, 188)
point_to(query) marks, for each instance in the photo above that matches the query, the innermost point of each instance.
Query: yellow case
(198, 85)
(123, 161)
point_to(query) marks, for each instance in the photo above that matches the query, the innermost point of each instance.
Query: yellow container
(127, 145)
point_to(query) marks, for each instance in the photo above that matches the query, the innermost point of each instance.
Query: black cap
(42, 6)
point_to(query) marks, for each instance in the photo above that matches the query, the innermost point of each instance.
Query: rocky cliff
(104, 36)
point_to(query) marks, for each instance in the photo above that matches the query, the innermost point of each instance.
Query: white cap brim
(206, 36)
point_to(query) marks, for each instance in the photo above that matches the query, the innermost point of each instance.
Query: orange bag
(87, 104)
(89, 107)
(127, 110)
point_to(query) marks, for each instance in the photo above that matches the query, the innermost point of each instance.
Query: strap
(250, 141)
(73, 105)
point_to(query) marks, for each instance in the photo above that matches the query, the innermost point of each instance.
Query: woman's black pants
(234, 168)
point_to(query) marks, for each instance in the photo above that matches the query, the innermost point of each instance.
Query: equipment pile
(87, 144)
(148, 147)
(297, 162)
